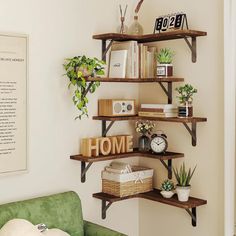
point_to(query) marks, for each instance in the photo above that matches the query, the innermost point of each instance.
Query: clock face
(158, 144)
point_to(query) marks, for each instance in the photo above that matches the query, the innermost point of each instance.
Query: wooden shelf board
(172, 119)
(170, 35)
(139, 80)
(155, 196)
(165, 156)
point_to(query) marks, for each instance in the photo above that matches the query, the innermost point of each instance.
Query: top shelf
(170, 35)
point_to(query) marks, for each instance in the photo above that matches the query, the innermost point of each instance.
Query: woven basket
(127, 188)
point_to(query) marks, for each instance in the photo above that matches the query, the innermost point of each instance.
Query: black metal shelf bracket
(168, 166)
(84, 169)
(193, 47)
(105, 48)
(106, 128)
(105, 207)
(193, 215)
(167, 91)
(192, 131)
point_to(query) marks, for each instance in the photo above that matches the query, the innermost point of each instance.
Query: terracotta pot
(165, 70)
(183, 193)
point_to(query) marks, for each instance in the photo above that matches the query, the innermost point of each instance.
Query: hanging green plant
(77, 70)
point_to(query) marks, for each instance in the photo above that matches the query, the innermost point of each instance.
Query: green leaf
(79, 74)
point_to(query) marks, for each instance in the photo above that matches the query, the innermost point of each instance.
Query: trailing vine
(77, 70)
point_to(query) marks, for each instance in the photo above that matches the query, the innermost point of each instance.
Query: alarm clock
(158, 143)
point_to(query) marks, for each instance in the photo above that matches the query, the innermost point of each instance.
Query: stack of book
(132, 60)
(158, 110)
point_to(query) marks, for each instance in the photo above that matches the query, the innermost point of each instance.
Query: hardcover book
(117, 65)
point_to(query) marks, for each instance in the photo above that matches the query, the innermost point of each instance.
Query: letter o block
(105, 146)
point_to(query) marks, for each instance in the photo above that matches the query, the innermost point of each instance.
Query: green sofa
(61, 211)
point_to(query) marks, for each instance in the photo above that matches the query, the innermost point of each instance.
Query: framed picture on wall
(13, 103)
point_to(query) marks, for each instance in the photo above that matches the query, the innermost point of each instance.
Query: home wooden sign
(106, 145)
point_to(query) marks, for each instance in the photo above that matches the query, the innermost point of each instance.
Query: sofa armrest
(91, 229)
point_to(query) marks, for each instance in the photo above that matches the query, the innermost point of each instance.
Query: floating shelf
(136, 80)
(171, 35)
(147, 38)
(190, 206)
(167, 156)
(192, 130)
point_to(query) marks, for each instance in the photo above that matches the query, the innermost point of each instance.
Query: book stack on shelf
(158, 110)
(131, 59)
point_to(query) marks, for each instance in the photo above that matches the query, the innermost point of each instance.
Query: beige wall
(207, 76)
(59, 29)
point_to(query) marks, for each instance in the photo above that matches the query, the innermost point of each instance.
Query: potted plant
(144, 128)
(167, 186)
(185, 97)
(77, 70)
(164, 66)
(183, 178)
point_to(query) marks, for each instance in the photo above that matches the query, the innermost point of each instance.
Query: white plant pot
(167, 194)
(164, 70)
(183, 193)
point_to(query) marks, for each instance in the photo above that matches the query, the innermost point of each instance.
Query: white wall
(207, 76)
(58, 29)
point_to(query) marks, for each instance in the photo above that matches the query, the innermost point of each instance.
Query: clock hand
(160, 143)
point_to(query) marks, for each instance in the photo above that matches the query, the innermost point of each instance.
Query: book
(159, 106)
(147, 61)
(117, 65)
(159, 109)
(158, 114)
(132, 65)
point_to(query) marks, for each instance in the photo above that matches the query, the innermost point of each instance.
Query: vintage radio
(116, 107)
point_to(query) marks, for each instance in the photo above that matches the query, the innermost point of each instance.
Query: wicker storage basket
(122, 185)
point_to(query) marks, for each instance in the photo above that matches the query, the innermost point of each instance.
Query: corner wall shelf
(190, 206)
(171, 35)
(192, 120)
(167, 156)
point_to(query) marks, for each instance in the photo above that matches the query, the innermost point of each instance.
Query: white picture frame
(13, 103)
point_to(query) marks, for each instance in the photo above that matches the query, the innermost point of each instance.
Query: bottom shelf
(190, 206)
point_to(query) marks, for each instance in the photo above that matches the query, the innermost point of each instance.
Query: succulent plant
(165, 56)
(186, 93)
(183, 176)
(167, 185)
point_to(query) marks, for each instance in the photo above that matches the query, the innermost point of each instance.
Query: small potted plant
(167, 186)
(185, 97)
(77, 70)
(144, 128)
(183, 178)
(164, 66)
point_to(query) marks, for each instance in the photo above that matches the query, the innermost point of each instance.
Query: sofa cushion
(19, 227)
(62, 211)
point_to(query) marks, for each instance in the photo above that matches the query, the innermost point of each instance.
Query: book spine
(157, 114)
(158, 110)
(159, 106)
(136, 52)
